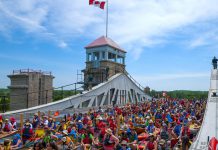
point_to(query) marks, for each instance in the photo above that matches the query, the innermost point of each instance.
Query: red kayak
(143, 136)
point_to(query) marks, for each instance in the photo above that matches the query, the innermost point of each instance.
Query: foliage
(182, 94)
(4, 92)
(59, 94)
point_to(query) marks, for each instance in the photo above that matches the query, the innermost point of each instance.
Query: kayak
(39, 133)
(139, 130)
(7, 134)
(143, 136)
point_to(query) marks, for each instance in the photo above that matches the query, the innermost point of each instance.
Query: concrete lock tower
(30, 88)
(104, 58)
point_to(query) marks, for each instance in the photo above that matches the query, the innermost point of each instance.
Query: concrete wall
(18, 98)
(32, 89)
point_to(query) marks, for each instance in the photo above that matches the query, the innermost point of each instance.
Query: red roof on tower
(102, 41)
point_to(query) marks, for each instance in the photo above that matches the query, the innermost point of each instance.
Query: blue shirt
(177, 129)
(150, 128)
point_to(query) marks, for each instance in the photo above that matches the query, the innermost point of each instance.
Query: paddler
(110, 141)
(7, 127)
(151, 128)
(177, 129)
(133, 139)
(152, 144)
(27, 132)
(7, 144)
(45, 122)
(51, 124)
(13, 124)
(36, 121)
(17, 142)
(66, 142)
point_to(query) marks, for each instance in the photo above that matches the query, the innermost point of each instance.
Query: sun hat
(124, 142)
(12, 119)
(65, 132)
(99, 118)
(148, 117)
(109, 131)
(27, 124)
(162, 142)
(64, 139)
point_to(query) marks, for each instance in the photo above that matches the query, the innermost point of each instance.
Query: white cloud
(62, 44)
(134, 24)
(204, 38)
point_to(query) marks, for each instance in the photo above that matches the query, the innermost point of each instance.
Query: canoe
(39, 133)
(139, 130)
(7, 134)
(143, 136)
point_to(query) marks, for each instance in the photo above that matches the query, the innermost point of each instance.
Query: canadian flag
(97, 3)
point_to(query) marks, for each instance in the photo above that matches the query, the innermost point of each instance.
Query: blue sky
(169, 43)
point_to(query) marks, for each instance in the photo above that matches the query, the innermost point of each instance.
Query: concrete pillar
(115, 58)
(106, 55)
(100, 55)
(93, 56)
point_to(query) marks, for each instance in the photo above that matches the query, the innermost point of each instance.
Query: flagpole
(107, 19)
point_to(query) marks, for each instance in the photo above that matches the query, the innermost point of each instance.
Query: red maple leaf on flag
(100, 4)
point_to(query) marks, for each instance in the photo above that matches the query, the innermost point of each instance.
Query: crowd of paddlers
(162, 124)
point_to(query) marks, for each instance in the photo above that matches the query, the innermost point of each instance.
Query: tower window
(96, 55)
(103, 55)
(89, 57)
(111, 57)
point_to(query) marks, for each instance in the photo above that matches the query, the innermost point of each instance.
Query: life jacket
(51, 123)
(35, 122)
(15, 140)
(150, 128)
(87, 139)
(150, 145)
(177, 129)
(185, 131)
(132, 137)
(6, 127)
(47, 139)
(164, 135)
(68, 141)
(27, 132)
(14, 125)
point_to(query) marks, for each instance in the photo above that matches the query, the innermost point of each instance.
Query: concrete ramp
(119, 89)
(209, 126)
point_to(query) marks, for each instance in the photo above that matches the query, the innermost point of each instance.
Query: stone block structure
(30, 88)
